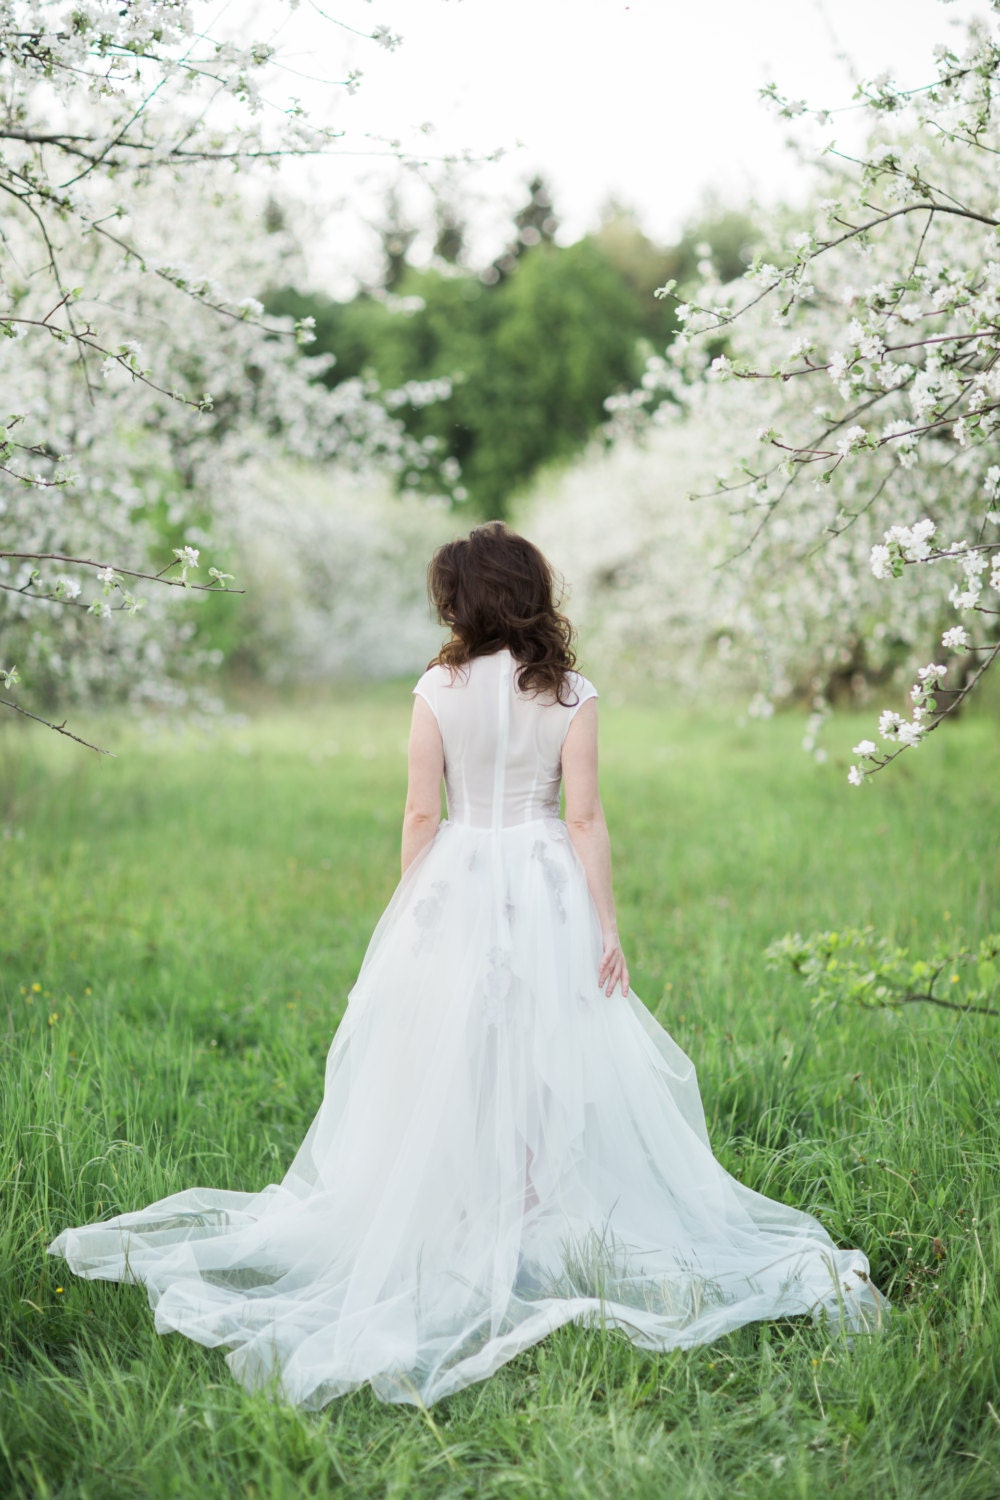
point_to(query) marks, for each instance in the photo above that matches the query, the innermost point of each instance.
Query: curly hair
(495, 589)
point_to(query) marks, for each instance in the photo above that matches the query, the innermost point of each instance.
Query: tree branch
(89, 562)
(960, 694)
(59, 728)
(909, 997)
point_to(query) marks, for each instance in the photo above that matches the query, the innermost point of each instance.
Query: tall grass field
(179, 930)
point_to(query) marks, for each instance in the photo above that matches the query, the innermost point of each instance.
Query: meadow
(179, 930)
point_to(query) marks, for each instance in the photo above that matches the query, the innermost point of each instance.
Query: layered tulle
(500, 1149)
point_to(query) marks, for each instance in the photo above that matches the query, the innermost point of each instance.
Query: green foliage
(533, 346)
(531, 359)
(180, 929)
(859, 966)
(728, 235)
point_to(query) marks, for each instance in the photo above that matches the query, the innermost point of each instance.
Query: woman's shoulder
(581, 688)
(574, 689)
(436, 672)
(437, 679)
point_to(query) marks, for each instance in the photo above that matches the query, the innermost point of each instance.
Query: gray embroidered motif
(496, 989)
(554, 873)
(427, 912)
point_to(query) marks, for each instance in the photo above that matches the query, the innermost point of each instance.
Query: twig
(962, 693)
(59, 728)
(910, 996)
(89, 562)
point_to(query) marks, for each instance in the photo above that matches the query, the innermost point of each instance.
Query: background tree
(727, 236)
(396, 235)
(867, 357)
(144, 376)
(524, 356)
(535, 223)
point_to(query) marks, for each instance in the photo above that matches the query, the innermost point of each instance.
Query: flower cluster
(149, 384)
(648, 596)
(866, 359)
(902, 544)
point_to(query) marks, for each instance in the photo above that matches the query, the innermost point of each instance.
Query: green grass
(178, 932)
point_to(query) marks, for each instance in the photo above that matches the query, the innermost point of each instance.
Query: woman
(507, 1141)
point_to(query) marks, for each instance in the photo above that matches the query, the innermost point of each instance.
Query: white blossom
(910, 733)
(385, 38)
(904, 322)
(853, 438)
(156, 265)
(881, 562)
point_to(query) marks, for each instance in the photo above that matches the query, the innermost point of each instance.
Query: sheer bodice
(502, 747)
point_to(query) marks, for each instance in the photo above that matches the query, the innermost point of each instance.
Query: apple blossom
(142, 377)
(887, 406)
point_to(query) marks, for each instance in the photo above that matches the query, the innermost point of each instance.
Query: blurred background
(478, 254)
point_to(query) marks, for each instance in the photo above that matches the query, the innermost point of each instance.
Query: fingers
(613, 971)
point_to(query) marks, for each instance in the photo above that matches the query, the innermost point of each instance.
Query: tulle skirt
(500, 1149)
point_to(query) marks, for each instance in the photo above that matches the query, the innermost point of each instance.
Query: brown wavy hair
(495, 589)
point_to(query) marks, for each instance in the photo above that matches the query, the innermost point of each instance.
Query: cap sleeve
(428, 688)
(583, 689)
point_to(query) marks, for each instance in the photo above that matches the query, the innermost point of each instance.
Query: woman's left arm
(423, 794)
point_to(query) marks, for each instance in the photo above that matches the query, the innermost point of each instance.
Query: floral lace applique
(427, 913)
(497, 987)
(554, 873)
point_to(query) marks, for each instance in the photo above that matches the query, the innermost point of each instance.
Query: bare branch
(910, 997)
(59, 728)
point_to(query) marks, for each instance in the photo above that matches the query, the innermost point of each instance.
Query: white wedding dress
(500, 1148)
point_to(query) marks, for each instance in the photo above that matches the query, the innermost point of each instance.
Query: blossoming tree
(139, 377)
(865, 530)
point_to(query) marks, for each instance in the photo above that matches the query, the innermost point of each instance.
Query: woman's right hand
(613, 969)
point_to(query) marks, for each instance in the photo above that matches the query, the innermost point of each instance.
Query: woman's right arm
(588, 832)
(423, 793)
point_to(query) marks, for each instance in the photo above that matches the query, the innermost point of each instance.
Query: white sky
(653, 101)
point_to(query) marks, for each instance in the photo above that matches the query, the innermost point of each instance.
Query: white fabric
(503, 748)
(500, 1148)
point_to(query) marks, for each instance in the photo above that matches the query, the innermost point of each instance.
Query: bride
(508, 1140)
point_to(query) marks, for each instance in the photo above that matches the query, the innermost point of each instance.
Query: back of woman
(502, 746)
